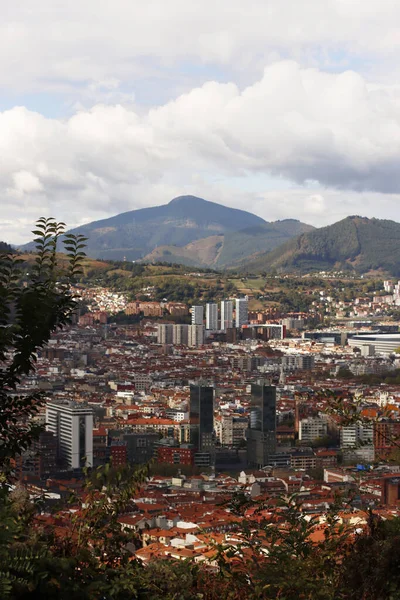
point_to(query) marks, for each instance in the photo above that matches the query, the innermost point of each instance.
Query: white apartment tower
(181, 335)
(72, 424)
(242, 311)
(212, 317)
(226, 314)
(197, 315)
(196, 335)
(165, 333)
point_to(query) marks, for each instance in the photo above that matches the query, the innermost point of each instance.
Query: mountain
(231, 249)
(184, 220)
(238, 246)
(187, 230)
(355, 243)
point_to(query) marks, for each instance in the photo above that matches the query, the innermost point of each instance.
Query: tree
(29, 314)
(88, 560)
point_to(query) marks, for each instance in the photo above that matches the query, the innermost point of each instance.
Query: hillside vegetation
(231, 249)
(355, 243)
(188, 230)
(183, 220)
(4, 247)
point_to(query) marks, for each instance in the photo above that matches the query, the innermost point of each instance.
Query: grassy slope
(88, 263)
(199, 253)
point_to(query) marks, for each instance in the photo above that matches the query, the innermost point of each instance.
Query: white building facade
(72, 424)
(226, 314)
(197, 315)
(313, 428)
(242, 311)
(180, 335)
(196, 335)
(212, 317)
(165, 333)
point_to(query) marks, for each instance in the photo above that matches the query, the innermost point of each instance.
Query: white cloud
(316, 129)
(54, 45)
(25, 183)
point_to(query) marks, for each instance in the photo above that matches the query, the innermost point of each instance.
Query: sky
(285, 108)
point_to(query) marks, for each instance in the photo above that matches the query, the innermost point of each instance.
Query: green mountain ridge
(187, 230)
(183, 220)
(231, 249)
(354, 243)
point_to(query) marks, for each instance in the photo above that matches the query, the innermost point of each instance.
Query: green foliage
(28, 315)
(372, 569)
(344, 373)
(6, 248)
(289, 301)
(122, 318)
(239, 246)
(278, 558)
(233, 248)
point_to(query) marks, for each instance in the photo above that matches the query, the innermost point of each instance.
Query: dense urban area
(235, 395)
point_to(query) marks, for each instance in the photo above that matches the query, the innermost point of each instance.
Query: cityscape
(231, 401)
(200, 300)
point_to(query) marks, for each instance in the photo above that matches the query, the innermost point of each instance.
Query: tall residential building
(302, 362)
(195, 335)
(197, 315)
(180, 335)
(165, 333)
(242, 311)
(261, 434)
(313, 428)
(201, 419)
(212, 316)
(72, 424)
(357, 442)
(226, 314)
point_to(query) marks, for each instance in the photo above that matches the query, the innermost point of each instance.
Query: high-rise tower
(165, 333)
(226, 314)
(197, 315)
(72, 424)
(195, 335)
(242, 311)
(261, 434)
(201, 417)
(212, 317)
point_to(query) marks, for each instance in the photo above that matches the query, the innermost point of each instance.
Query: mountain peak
(287, 221)
(187, 199)
(183, 220)
(187, 229)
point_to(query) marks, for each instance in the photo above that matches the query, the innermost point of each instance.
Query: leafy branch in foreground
(29, 314)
